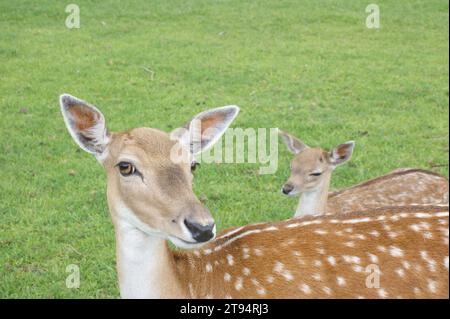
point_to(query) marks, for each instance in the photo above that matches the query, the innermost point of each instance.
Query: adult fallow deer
(150, 199)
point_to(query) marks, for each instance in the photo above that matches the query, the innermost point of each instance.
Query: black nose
(287, 188)
(199, 232)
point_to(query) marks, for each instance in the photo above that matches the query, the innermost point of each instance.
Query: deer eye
(126, 169)
(194, 166)
(316, 174)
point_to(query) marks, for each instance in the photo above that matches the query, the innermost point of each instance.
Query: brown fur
(307, 271)
(398, 188)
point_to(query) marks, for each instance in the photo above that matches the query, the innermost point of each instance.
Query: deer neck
(314, 202)
(145, 264)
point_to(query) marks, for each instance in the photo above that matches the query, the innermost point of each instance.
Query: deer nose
(287, 188)
(200, 233)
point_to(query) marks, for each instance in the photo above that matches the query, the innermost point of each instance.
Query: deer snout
(287, 188)
(199, 232)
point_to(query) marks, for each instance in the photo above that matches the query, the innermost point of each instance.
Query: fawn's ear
(293, 144)
(85, 123)
(342, 153)
(206, 128)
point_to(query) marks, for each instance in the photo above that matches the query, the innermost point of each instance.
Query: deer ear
(293, 144)
(342, 153)
(206, 128)
(86, 124)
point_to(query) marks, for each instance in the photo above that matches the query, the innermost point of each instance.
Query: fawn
(312, 168)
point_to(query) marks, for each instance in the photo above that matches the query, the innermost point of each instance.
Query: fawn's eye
(126, 169)
(316, 174)
(194, 166)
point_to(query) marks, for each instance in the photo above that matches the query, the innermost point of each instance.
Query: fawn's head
(149, 171)
(311, 167)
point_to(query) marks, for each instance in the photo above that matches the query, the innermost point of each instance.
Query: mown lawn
(309, 67)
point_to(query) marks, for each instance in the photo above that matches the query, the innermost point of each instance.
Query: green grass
(309, 67)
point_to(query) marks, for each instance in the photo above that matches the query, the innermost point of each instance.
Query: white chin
(183, 244)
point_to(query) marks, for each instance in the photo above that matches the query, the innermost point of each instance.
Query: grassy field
(312, 68)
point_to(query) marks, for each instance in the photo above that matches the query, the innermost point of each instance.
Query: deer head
(311, 171)
(146, 186)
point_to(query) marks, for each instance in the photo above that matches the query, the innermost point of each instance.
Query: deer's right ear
(86, 124)
(293, 144)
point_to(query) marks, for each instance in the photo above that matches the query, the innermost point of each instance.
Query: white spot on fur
(350, 244)
(331, 260)
(406, 264)
(320, 251)
(382, 293)
(373, 258)
(340, 281)
(375, 233)
(305, 289)
(395, 251)
(238, 283)
(432, 286)
(427, 235)
(320, 232)
(279, 268)
(261, 291)
(245, 252)
(357, 268)
(208, 267)
(230, 260)
(317, 277)
(351, 259)
(430, 261)
(382, 249)
(400, 272)
(258, 252)
(270, 279)
(392, 234)
(227, 277)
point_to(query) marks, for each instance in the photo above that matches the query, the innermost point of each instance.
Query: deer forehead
(144, 145)
(311, 158)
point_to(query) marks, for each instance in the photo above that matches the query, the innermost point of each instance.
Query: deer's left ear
(206, 128)
(85, 123)
(293, 144)
(342, 153)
